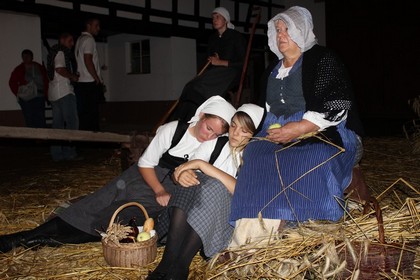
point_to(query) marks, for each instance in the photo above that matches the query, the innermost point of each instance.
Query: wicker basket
(130, 254)
(381, 257)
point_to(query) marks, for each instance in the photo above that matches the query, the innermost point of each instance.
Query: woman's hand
(291, 131)
(188, 178)
(163, 198)
(185, 175)
(215, 60)
(189, 165)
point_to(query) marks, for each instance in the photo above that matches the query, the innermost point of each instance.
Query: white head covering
(217, 106)
(299, 26)
(222, 11)
(255, 112)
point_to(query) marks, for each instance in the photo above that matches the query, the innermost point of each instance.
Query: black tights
(54, 232)
(62, 232)
(182, 245)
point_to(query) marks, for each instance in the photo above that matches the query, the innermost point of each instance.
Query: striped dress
(293, 182)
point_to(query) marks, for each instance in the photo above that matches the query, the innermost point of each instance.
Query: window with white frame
(139, 57)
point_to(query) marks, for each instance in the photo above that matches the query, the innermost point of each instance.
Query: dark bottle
(131, 238)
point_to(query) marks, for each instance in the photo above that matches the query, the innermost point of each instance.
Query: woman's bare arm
(291, 131)
(151, 179)
(207, 169)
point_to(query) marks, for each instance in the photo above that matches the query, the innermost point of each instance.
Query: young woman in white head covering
(307, 90)
(199, 212)
(226, 53)
(149, 183)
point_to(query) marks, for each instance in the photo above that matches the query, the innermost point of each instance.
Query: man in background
(89, 87)
(62, 72)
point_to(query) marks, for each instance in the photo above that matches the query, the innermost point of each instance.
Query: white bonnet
(215, 105)
(222, 11)
(299, 27)
(255, 112)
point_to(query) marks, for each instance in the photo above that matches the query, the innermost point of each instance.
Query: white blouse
(226, 161)
(162, 141)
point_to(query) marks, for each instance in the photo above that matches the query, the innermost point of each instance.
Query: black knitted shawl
(69, 57)
(326, 86)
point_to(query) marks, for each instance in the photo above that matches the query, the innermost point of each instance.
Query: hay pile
(316, 250)
(27, 199)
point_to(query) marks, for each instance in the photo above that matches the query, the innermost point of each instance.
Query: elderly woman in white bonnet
(226, 53)
(306, 90)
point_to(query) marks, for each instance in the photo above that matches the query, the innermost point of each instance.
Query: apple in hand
(143, 236)
(274, 125)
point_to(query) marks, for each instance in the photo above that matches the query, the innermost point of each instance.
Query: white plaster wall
(20, 31)
(184, 63)
(172, 65)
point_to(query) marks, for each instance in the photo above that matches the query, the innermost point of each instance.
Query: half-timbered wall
(177, 30)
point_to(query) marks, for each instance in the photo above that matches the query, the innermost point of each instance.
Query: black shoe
(156, 275)
(41, 241)
(11, 241)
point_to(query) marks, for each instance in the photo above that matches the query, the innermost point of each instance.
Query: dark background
(379, 42)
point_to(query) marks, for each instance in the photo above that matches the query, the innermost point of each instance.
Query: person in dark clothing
(226, 53)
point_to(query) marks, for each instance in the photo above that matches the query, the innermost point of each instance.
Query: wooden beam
(175, 12)
(62, 134)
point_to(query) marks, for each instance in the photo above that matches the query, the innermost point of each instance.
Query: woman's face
(208, 129)
(219, 21)
(238, 135)
(284, 43)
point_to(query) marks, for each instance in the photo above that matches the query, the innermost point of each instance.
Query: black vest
(171, 162)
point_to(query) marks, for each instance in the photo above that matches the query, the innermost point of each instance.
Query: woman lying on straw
(307, 92)
(198, 214)
(149, 183)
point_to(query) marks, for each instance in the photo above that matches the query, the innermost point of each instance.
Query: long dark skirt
(94, 211)
(215, 81)
(296, 183)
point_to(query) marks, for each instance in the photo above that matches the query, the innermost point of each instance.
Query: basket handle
(119, 209)
(378, 213)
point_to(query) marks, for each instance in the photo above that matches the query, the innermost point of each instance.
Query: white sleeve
(320, 119)
(159, 145)
(205, 150)
(59, 60)
(88, 46)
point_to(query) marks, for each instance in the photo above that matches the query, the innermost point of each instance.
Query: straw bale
(29, 193)
(312, 249)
